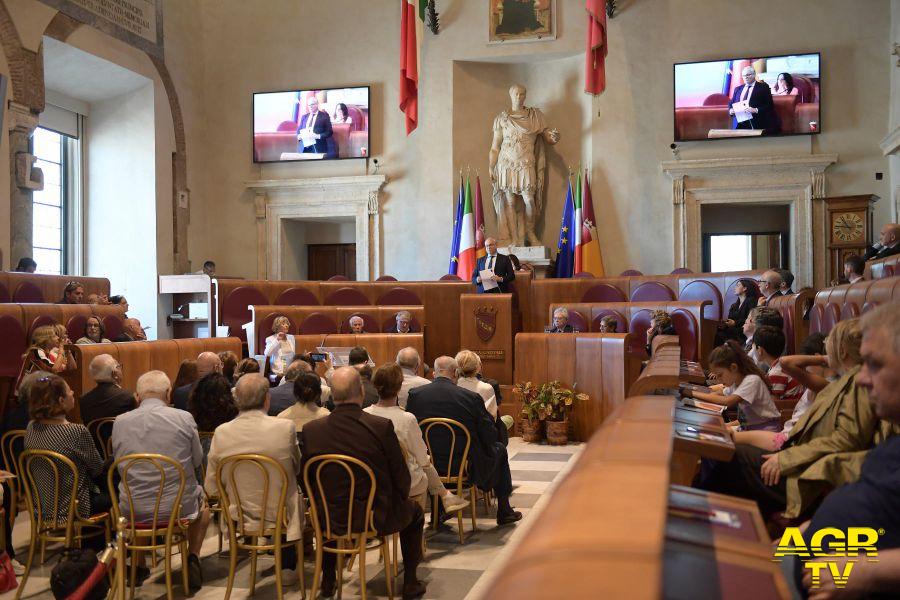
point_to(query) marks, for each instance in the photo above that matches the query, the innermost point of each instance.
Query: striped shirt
(784, 387)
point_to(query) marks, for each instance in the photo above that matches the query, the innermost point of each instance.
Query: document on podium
(486, 282)
(741, 112)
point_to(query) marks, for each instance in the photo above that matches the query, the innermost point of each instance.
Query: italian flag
(412, 30)
(467, 236)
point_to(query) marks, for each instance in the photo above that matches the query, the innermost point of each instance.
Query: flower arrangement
(548, 401)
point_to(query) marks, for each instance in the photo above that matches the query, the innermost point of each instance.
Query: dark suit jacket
(443, 398)
(873, 254)
(738, 313)
(567, 329)
(502, 268)
(761, 99)
(351, 431)
(281, 397)
(104, 401)
(322, 126)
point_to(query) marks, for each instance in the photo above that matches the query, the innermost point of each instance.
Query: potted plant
(557, 403)
(530, 420)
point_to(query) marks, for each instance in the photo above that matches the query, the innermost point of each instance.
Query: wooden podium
(486, 328)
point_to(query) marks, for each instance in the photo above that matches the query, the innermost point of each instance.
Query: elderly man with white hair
(769, 286)
(754, 100)
(108, 399)
(403, 322)
(560, 321)
(255, 432)
(154, 427)
(410, 363)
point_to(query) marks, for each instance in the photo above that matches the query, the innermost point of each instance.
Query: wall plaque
(138, 23)
(491, 354)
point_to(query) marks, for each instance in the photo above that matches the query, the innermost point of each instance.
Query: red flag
(595, 56)
(411, 33)
(479, 221)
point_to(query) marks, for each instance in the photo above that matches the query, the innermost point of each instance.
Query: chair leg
(278, 587)
(253, 568)
(317, 570)
(340, 571)
(232, 565)
(389, 568)
(184, 565)
(473, 505)
(31, 548)
(167, 563)
(362, 567)
(43, 550)
(134, 562)
(395, 541)
(300, 558)
(459, 523)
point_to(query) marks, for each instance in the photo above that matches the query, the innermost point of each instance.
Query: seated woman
(308, 406)
(660, 324)
(187, 373)
(341, 114)
(423, 477)
(469, 365)
(747, 297)
(247, 365)
(211, 404)
(784, 86)
(93, 332)
(49, 399)
(229, 364)
(280, 348)
(47, 353)
(609, 324)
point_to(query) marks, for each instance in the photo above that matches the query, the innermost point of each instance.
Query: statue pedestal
(537, 256)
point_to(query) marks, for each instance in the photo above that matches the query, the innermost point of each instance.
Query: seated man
(608, 324)
(281, 397)
(854, 268)
(131, 331)
(488, 460)
(357, 325)
(154, 427)
(73, 293)
(769, 286)
(404, 321)
(108, 399)
(787, 281)
(207, 362)
(888, 243)
(561, 321)
(409, 361)
(874, 500)
(348, 430)
(254, 432)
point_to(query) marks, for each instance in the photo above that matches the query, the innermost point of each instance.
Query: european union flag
(565, 256)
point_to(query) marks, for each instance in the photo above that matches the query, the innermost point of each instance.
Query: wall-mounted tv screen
(316, 124)
(747, 97)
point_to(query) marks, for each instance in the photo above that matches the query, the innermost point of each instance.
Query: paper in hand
(741, 111)
(486, 282)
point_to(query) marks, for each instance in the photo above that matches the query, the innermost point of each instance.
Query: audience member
(209, 268)
(229, 364)
(403, 322)
(875, 498)
(854, 268)
(760, 317)
(281, 396)
(608, 324)
(746, 387)
(100, 299)
(660, 324)
(341, 114)
(769, 287)
(787, 280)
(154, 427)
(888, 243)
(560, 321)
(488, 460)
(769, 342)
(784, 85)
(409, 361)
(469, 366)
(93, 332)
(280, 348)
(187, 373)
(119, 301)
(423, 476)
(254, 432)
(245, 367)
(732, 327)
(306, 390)
(46, 353)
(131, 331)
(107, 399)
(26, 265)
(357, 324)
(49, 399)
(73, 293)
(359, 360)
(348, 430)
(211, 404)
(207, 362)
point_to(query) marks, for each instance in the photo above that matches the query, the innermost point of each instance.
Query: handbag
(7, 575)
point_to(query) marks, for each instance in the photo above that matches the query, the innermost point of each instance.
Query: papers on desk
(709, 406)
(742, 111)
(486, 282)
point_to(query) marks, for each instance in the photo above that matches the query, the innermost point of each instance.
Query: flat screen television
(713, 99)
(284, 129)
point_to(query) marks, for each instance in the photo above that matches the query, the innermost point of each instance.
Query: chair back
(101, 431)
(240, 473)
(11, 444)
(56, 473)
(160, 521)
(436, 425)
(318, 495)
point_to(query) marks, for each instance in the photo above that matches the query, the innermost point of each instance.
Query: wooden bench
(382, 347)
(835, 304)
(34, 287)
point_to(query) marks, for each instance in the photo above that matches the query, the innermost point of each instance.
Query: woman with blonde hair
(468, 368)
(47, 352)
(280, 348)
(660, 324)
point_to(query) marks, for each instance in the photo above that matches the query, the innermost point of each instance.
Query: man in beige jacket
(254, 432)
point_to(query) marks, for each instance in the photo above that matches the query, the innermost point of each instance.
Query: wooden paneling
(497, 352)
(382, 347)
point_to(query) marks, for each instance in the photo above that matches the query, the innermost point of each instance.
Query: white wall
(120, 219)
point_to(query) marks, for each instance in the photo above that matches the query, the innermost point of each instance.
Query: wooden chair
(52, 468)
(459, 480)
(350, 543)
(238, 530)
(144, 535)
(212, 496)
(101, 431)
(11, 445)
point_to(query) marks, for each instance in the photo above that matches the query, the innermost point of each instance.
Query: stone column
(24, 180)
(262, 258)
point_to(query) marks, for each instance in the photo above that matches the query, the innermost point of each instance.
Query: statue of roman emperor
(517, 168)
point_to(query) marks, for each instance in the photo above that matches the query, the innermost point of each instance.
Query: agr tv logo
(826, 545)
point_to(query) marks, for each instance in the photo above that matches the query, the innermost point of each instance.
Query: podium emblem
(485, 322)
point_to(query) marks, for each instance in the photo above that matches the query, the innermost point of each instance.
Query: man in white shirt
(409, 361)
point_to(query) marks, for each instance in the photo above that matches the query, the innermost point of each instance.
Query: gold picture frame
(521, 21)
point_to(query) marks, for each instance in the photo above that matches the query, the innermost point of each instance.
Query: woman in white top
(280, 347)
(341, 114)
(423, 477)
(469, 367)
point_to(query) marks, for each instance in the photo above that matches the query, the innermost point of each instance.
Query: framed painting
(521, 20)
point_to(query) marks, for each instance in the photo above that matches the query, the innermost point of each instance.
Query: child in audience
(758, 317)
(745, 387)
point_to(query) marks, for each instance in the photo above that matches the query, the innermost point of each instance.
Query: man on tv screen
(315, 129)
(751, 105)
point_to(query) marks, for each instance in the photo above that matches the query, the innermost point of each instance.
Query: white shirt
(800, 409)
(485, 390)
(410, 437)
(756, 400)
(410, 381)
(851, 280)
(275, 351)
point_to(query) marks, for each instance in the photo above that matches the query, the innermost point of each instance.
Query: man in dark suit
(348, 430)
(488, 460)
(281, 397)
(207, 362)
(499, 264)
(769, 286)
(314, 129)
(759, 97)
(561, 321)
(888, 243)
(403, 323)
(108, 399)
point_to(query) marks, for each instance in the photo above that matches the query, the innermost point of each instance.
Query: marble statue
(517, 168)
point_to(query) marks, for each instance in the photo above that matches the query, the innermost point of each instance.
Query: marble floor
(451, 571)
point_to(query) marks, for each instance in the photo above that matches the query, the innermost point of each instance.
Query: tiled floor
(452, 572)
